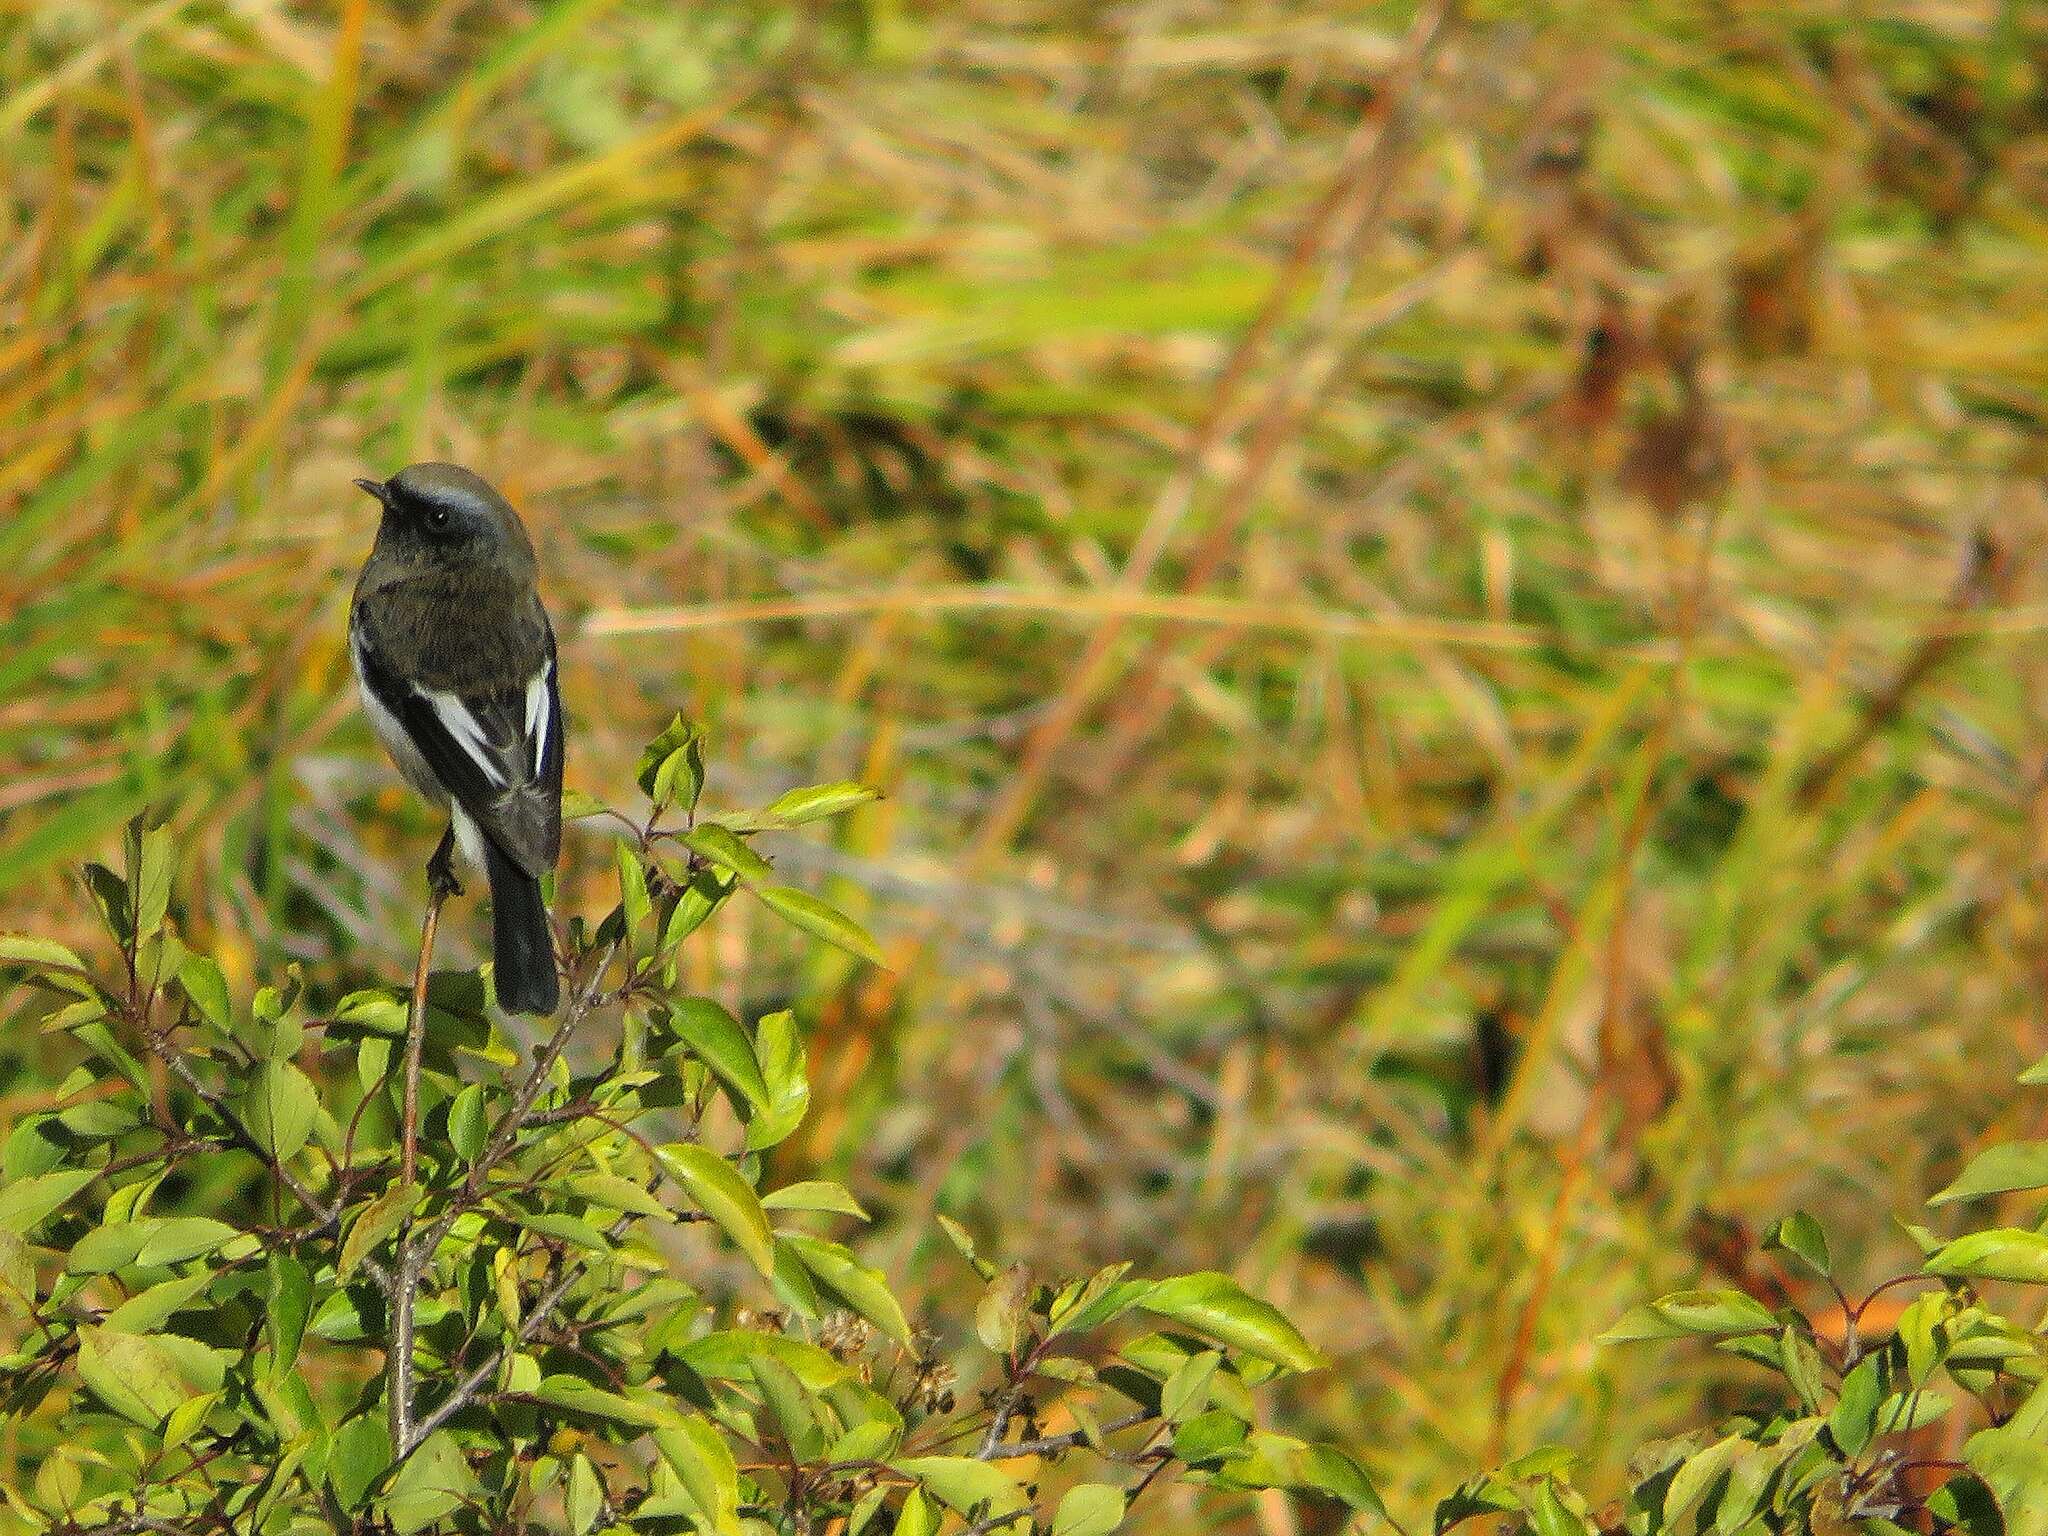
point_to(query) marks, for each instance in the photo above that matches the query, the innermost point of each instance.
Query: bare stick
(405, 1275)
(415, 1037)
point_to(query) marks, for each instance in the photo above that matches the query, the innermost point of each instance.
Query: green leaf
(704, 1462)
(1280, 1461)
(814, 1195)
(26, 949)
(672, 767)
(1801, 1364)
(963, 1240)
(1548, 1515)
(1997, 1170)
(17, 1277)
(132, 1374)
(187, 1417)
(720, 846)
(578, 805)
(695, 902)
(579, 1396)
(357, 1457)
(2012, 1459)
(1855, 1412)
(563, 1228)
(376, 1224)
(999, 1316)
(1801, 1236)
(2001, 1253)
(203, 982)
(1106, 1296)
(177, 1238)
(1333, 1471)
(617, 1194)
(584, 1501)
(780, 1050)
(287, 1304)
(820, 920)
(1089, 1509)
(720, 1193)
(915, 1517)
(729, 1355)
(717, 1040)
(26, 1202)
(1708, 1313)
(106, 1249)
(965, 1485)
(148, 1310)
(1921, 1334)
(468, 1126)
(817, 802)
(861, 1288)
(279, 1108)
(790, 1402)
(149, 876)
(1903, 1411)
(1215, 1306)
(633, 898)
(1186, 1391)
(1696, 1474)
(434, 1482)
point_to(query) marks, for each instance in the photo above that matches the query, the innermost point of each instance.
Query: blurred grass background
(1446, 601)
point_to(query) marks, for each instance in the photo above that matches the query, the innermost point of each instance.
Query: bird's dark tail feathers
(521, 943)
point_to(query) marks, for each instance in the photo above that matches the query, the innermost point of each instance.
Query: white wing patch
(537, 715)
(466, 731)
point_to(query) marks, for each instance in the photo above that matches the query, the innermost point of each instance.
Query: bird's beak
(378, 489)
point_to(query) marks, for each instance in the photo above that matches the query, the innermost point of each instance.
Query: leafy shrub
(1841, 1444)
(231, 1310)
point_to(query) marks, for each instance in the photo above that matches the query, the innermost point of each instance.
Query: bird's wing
(497, 750)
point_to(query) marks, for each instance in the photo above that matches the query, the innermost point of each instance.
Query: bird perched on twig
(456, 662)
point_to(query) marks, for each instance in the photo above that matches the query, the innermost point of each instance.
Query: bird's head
(446, 512)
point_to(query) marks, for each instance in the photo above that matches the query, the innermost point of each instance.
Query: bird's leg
(441, 881)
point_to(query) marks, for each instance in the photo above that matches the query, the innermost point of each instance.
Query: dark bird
(456, 662)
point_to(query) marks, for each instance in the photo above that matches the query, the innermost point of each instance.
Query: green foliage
(1837, 1441)
(591, 1310)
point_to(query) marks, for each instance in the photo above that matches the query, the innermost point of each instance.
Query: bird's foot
(441, 881)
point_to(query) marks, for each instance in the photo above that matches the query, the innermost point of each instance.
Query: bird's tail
(521, 943)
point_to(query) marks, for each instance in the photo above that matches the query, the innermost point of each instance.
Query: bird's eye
(438, 516)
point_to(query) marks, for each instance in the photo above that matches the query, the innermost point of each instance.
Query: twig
(415, 1038)
(406, 1277)
(1050, 1445)
(416, 1250)
(989, 1523)
(464, 1392)
(328, 1213)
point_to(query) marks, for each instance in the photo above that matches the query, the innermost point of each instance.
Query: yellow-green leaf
(132, 1374)
(1217, 1307)
(719, 1191)
(818, 801)
(378, 1221)
(861, 1288)
(820, 920)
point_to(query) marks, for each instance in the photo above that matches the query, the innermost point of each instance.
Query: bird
(455, 660)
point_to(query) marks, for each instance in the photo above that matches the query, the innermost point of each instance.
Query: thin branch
(327, 1212)
(416, 1251)
(582, 1003)
(415, 1038)
(1051, 1445)
(465, 1391)
(405, 1290)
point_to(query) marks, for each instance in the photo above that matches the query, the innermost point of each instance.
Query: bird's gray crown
(445, 507)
